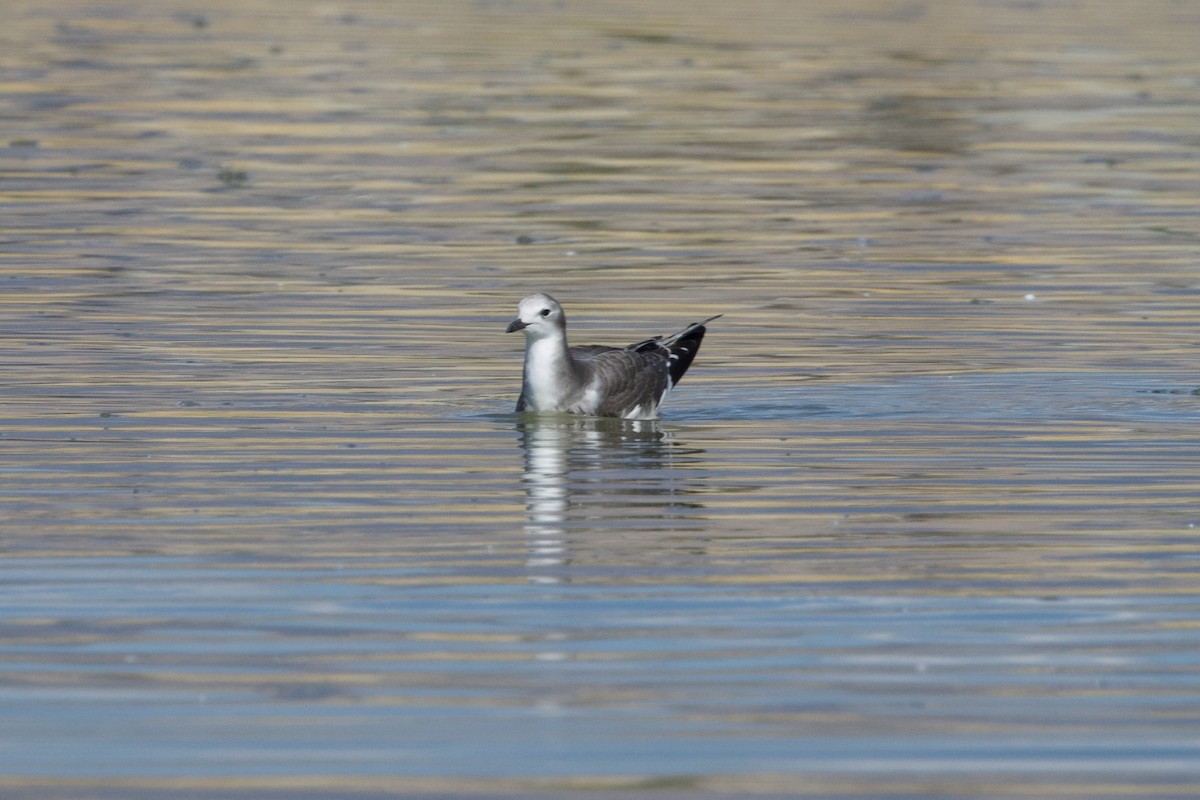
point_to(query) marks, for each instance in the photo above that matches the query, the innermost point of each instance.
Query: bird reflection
(598, 472)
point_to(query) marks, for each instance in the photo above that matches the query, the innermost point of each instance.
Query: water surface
(922, 520)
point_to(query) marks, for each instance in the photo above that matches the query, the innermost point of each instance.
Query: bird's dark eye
(545, 312)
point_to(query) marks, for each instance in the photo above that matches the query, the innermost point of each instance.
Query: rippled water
(921, 521)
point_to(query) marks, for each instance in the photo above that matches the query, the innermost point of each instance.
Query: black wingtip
(683, 351)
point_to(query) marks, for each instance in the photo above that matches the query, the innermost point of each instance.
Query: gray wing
(625, 378)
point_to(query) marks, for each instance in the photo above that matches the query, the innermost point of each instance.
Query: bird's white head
(539, 315)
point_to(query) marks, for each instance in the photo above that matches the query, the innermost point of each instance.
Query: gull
(599, 381)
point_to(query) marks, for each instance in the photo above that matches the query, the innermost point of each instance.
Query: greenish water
(921, 521)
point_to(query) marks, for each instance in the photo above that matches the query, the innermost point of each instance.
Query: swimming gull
(600, 381)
